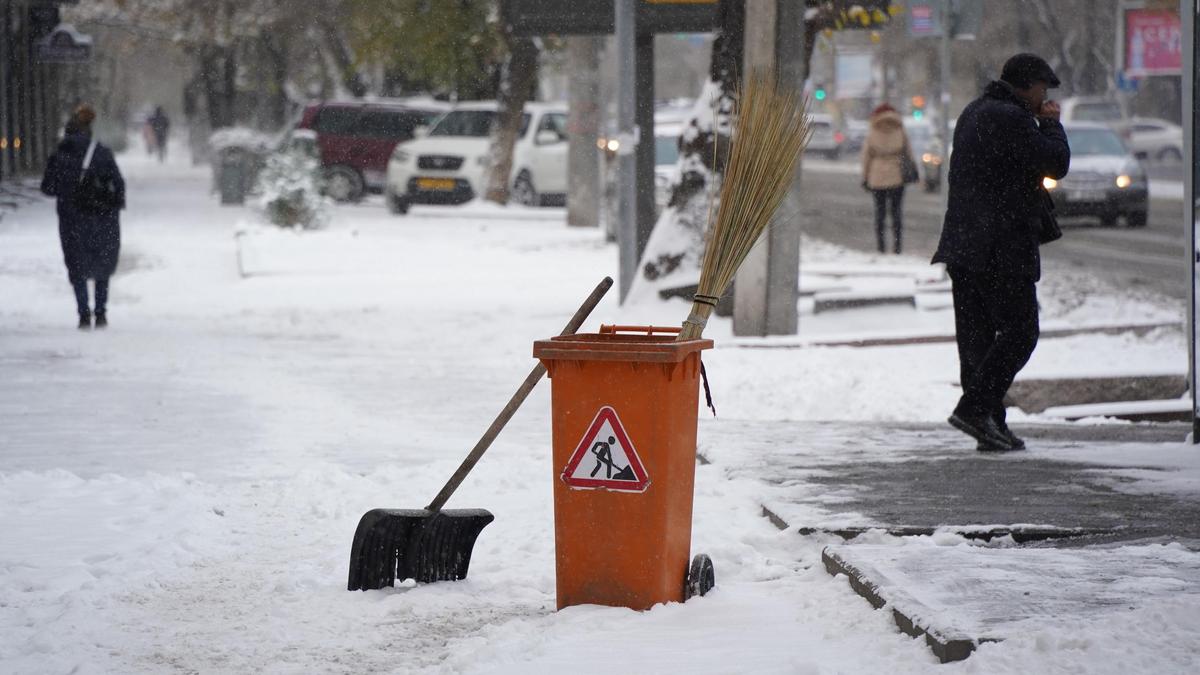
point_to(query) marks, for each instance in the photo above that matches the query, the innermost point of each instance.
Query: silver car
(1106, 181)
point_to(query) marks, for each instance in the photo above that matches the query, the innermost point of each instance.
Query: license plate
(1085, 196)
(435, 183)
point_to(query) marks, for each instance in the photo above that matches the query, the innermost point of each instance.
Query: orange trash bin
(624, 432)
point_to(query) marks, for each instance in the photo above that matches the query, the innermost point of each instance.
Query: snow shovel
(432, 544)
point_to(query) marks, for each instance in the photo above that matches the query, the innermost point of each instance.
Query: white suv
(449, 164)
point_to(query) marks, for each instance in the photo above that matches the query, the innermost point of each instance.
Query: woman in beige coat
(882, 173)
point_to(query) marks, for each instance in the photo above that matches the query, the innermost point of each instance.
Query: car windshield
(473, 123)
(1097, 112)
(666, 150)
(1094, 142)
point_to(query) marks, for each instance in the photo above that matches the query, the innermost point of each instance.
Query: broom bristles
(770, 131)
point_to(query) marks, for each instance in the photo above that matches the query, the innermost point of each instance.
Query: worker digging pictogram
(605, 458)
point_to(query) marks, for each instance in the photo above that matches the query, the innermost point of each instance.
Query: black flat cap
(1022, 70)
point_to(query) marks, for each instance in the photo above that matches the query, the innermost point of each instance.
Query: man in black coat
(89, 205)
(1005, 143)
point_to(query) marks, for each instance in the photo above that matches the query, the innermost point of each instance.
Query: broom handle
(515, 402)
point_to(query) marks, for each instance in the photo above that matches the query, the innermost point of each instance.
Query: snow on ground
(179, 492)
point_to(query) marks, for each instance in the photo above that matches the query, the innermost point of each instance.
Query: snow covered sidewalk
(178, 493)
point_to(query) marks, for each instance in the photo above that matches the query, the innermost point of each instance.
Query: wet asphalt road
(1153, 258)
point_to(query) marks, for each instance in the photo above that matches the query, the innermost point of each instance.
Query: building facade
(30, 108)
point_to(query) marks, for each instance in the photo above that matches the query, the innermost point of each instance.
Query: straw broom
(770, 131)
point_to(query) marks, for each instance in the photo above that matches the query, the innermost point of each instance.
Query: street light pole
(626, 228)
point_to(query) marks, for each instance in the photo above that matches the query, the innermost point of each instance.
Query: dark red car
(356, 138)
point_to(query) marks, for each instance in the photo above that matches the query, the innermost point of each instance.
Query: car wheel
(396, 204)
(523, 191)
(343, 184)
(1170, 156)
(1108, 220)
(1136, 219)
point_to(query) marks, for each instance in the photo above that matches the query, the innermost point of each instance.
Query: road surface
(836, 209)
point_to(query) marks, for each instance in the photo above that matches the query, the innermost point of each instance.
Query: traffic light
(819, 93)
(918, 107)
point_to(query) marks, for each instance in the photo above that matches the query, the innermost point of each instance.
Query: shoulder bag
(94, 193)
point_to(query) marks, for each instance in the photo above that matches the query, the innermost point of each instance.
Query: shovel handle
(515, 402)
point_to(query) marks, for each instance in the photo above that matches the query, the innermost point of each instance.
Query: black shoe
(990, 448)
(85, 322)
(101, 321)
(1015, 441)
(982, 429)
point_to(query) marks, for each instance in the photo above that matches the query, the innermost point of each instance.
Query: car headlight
(1049, 183)
(400, 156)
(1124, 181)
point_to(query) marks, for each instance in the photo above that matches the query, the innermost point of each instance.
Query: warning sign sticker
(606, 458)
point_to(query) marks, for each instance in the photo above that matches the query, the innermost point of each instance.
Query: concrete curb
(948, 647)
(1137, 329)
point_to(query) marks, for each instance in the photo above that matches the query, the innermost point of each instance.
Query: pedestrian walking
(90, 192)
(160, 125)
(887, 165)
(1005, 143)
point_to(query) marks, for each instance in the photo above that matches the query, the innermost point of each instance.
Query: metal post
(945, 19)
(626, 167)
(644, 121)
(1189, 22)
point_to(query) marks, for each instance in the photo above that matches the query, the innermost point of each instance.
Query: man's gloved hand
(1050, 109)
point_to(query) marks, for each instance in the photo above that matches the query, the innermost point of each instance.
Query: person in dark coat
(89, 228)
(1006, 142)
(160, 125)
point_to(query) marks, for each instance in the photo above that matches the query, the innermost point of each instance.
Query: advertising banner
(1153, 43)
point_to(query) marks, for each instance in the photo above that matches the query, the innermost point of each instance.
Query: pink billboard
(1153, 43)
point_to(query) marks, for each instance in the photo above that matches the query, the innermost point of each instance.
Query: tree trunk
(344, 60)
(277, 68)
(515, 90)
(583, 126)
(216, 75)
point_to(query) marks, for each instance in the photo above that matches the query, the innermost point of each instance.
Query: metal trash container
(232, 176)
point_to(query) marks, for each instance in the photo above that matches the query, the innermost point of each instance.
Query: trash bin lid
(611, 346)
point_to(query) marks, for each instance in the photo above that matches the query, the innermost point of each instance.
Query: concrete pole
(584, 186)
(766, 290)
(626, 167)
(1190, 21)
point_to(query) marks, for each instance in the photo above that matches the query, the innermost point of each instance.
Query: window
(1094, 142)
(394, 125)
(556, 122)
(335, 120)
(666, 150)
(1097, 112)
(472, 123)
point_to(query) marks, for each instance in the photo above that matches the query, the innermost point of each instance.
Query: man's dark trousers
(996, 325)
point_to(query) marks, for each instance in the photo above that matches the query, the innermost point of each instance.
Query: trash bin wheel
(700, 577)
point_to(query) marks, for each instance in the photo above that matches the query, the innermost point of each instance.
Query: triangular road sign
(605, 458)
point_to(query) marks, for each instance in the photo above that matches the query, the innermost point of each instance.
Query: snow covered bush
(291, 194)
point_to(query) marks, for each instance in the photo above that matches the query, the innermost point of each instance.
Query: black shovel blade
(392, 544)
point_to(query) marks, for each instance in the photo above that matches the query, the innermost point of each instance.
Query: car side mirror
(547, 137)
(420, 131)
